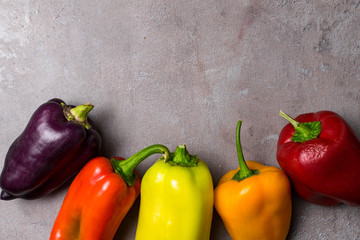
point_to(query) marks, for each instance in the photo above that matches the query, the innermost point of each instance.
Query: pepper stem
(244, 171)
(181, 157)
(126, 168)
(78, 114)
(303, 131)
(290, 119)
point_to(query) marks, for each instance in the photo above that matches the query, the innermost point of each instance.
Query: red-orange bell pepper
(100, 196)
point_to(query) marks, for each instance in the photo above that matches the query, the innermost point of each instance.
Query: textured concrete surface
(176, 72)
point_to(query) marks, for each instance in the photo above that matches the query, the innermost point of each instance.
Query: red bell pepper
(321, 155)
(100, 196)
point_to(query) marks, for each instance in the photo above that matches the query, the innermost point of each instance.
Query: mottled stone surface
(176, 72)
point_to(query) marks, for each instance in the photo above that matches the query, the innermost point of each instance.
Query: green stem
(78, 114)
(297, 125)
(244, 171)
(304, 131)
(126, 168)
(290, 119)
(181, 157)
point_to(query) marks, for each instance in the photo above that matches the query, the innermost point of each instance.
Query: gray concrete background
(174, 72)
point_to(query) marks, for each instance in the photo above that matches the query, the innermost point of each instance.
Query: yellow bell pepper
(177, 199)
(254, 201)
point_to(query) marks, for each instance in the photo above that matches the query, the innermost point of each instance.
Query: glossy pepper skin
(321, 155)
(56, 143)
(176, 200)
(254, 201)
(100, 196)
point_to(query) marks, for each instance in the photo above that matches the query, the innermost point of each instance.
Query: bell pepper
(176, 199)
(254, 201)
(100, 196)
(321, 155)
(56, 143)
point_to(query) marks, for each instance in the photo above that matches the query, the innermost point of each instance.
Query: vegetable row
(319, 156)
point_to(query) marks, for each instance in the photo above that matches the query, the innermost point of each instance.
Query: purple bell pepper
(56, 143)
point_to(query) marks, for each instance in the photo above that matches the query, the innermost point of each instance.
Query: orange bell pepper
(254, 201)
(100, 196)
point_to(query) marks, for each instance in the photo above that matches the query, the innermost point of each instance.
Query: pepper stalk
(126, 168)
(78, 113)
(181, 157)
(303, 131)
(244, 171)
